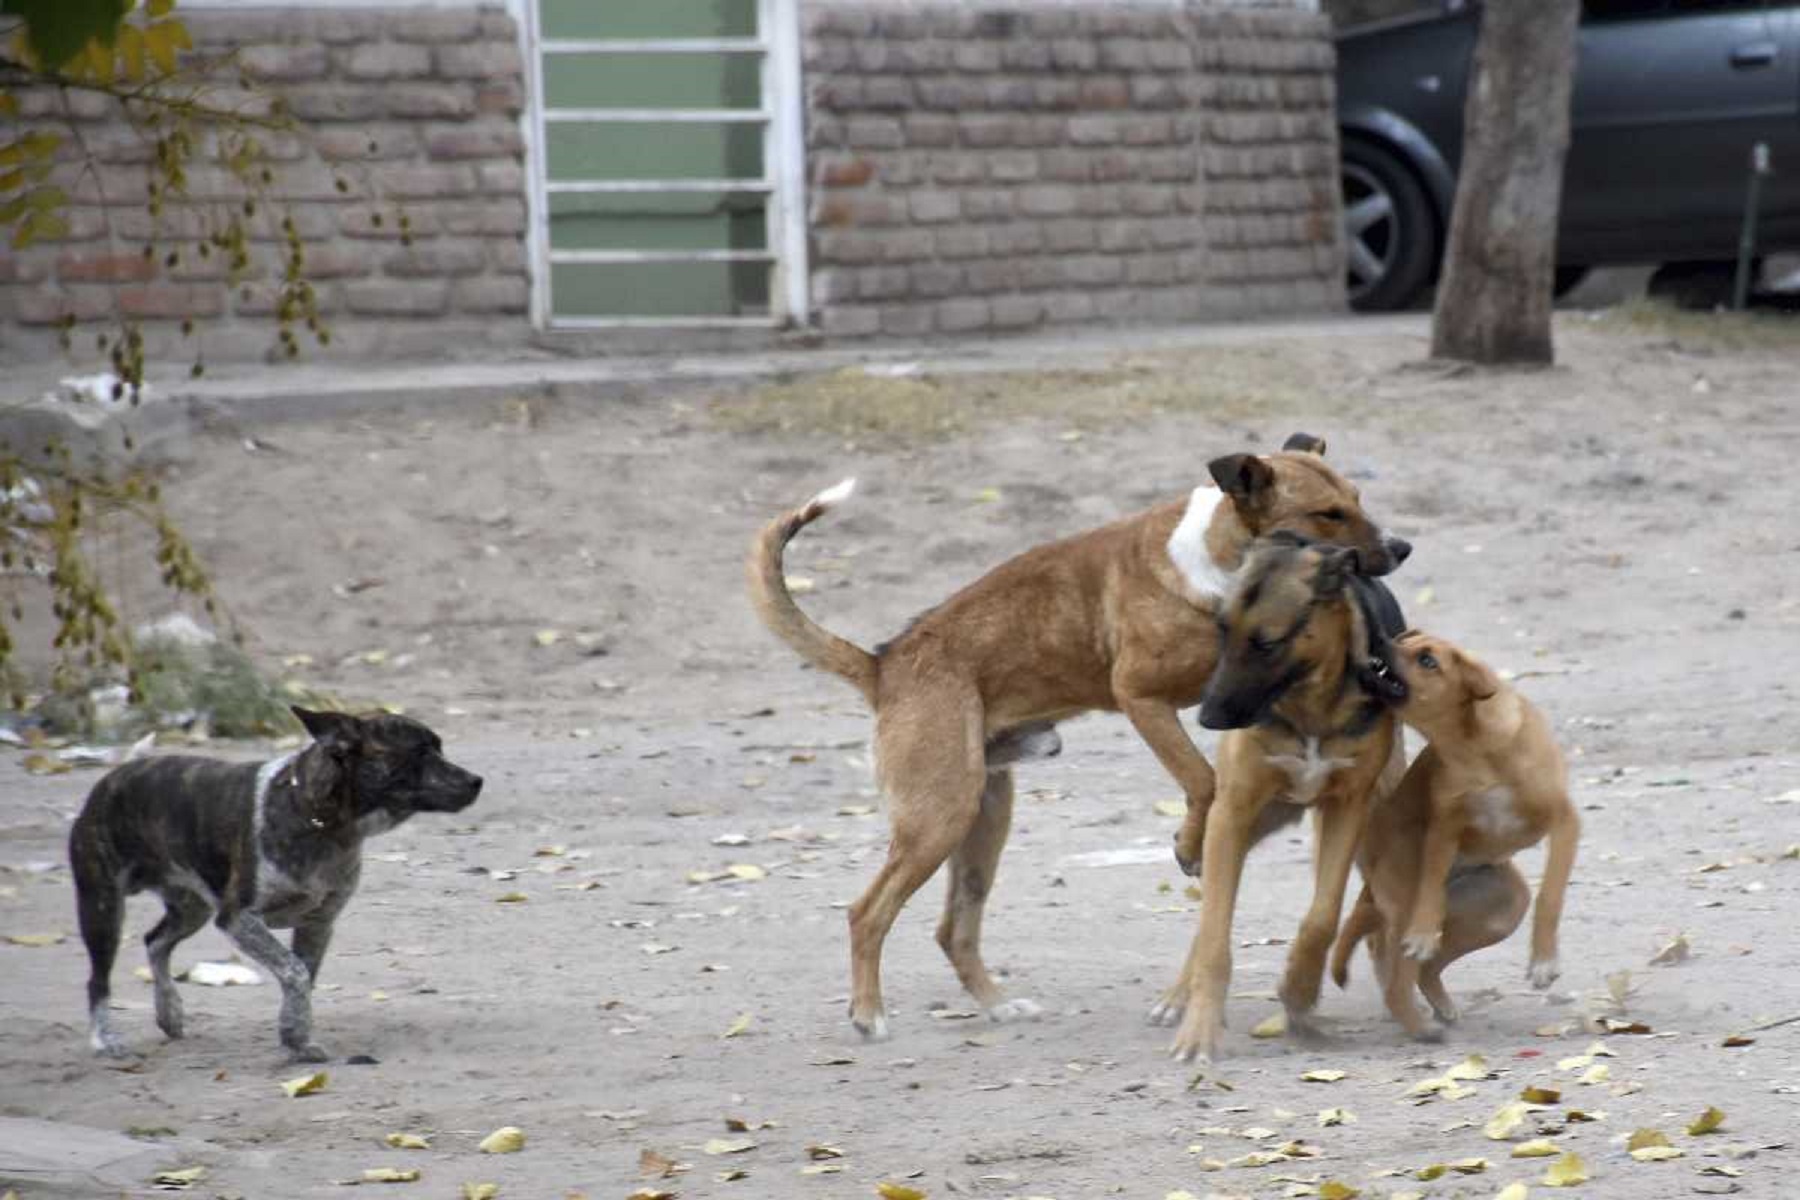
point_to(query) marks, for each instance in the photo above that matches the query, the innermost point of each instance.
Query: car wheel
(1699, 285)
(1390, 239)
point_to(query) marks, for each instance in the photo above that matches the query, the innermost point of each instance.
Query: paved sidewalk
(54, 1158)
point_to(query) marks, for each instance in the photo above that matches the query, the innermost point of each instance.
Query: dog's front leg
(1159, 723)
(1558, 865)
(255, 939)
(1340, 824)
(1206, 976)
(1425, 925)
(312, 935)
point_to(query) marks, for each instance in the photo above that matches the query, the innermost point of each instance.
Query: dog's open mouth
(1380, 678)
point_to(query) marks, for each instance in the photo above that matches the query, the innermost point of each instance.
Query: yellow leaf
(733, 1173)
(1270, 1027)
(1567, 1171)
(511, 898)
(1706, 1122)
(738, 1026)
(1434, 1171)
(1331, 1189)
(43, 764)
(508, 1139)
(1325, 1076)
(407, 1141)
(34, 939)
(1537, 1148)
(185, 1177)
(1336, 1116)
(1674, 952)
(1506, 1121)
(1469, 1166)
(749, 872)
(1598, 1073)
(1513, 1191)
(823, 1153)
(1575, 1062)
(130, 44)
(1171, 808)
(158, 9)
(1540, 1095)
(1641, 1138)
(1472, 1067)
(897, 1191)
(480, 1191)
(727, 1145)
(1656, 1153)
(391, 1175)
(1576, 1116)
(649, 1193)
(163, 40)
(822, 1169)
(306, 1085)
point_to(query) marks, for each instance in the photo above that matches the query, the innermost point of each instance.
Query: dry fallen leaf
(1171, 808)
(652, 1165)
(749, 872)
(1707, 1122)
(652, 1194)
(1513, 1191)
(1642, 1138)
(43, 764)
(1736, 1040)
(822, 1169)
(186, 1177)
(738, 1026)
(407, 1141)
(821, 1153)
(898, 1191)
(391, 1175)
(480, 1191)
(1540, 1095)
(1270, 1027)
(1506, 1121)
(1598, 1073)
(1537, 1148)
(508, 1139)
(1472, 1067)
(1336, 1116)
(1676, 951)
(1331, 1189)
(1656, 1153)
(306, 1085)
(1329, 1075)
(728, 1145)
(1567, 1171)
(35, 939)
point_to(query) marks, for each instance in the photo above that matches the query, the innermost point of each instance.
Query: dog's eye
(1428, 660)
(1330, 514)
(1261, 645)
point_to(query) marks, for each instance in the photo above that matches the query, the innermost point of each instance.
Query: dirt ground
(555, 585)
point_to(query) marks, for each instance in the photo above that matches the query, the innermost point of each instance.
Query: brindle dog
(1304, 689)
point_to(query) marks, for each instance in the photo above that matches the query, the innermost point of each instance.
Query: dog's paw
(111, 1048)
(1167, 1011)
(311, 1052)
(873, 1029)
(1016, 1009)
(1543, 973)
(1428, 1032)
(1421, 947)
(1448, 1013)
(169, 1015)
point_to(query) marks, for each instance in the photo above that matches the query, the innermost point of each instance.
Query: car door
(1670, 97)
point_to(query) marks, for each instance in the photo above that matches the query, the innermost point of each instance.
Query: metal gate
(669, 172)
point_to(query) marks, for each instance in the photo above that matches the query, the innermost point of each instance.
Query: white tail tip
(835, 494)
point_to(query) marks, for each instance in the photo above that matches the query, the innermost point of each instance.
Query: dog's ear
(1336, 565)
(337, 732)
(1243, 477)
(1305, 443)
(1478, 679)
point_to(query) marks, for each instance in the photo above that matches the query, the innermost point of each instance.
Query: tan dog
(1439, 881)
(1121, 618)
(1302, 689)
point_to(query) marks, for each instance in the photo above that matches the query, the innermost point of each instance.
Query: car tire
(1700, 286)
(1390, 235)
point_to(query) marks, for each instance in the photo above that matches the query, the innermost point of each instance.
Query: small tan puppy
(1436, 861)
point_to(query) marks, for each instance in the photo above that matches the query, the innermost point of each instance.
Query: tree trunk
(1493, 303)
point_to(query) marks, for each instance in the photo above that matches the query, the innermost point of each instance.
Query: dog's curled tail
(1364, 919)
(775, 604)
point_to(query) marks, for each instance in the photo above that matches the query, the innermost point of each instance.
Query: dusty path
(1619, 532)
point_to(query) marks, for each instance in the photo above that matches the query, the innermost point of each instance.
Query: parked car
(1671, 97)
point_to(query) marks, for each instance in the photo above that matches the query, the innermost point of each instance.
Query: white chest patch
(1492, 811)
(1308, 773)
(1187, 545)
(269, 878)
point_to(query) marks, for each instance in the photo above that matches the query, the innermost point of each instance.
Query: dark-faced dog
(1119, 618)
(1304, 686)
(257, 846)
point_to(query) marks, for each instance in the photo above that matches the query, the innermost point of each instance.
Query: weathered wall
(999, 168)
(415, 110)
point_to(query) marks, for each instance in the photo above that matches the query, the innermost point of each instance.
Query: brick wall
(1003, 168)
(415, 110)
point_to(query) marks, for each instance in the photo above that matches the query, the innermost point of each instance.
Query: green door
(661, 163)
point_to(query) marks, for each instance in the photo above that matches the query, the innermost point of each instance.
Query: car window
(1622, 10)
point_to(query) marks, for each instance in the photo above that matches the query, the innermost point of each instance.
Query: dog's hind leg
(1364, 919)
(972, 866)
(100, 906)
(183, 915)
(929, 753)
(254, 938)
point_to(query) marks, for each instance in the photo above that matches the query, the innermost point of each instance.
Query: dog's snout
(1220, 715)
(1398, 549)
